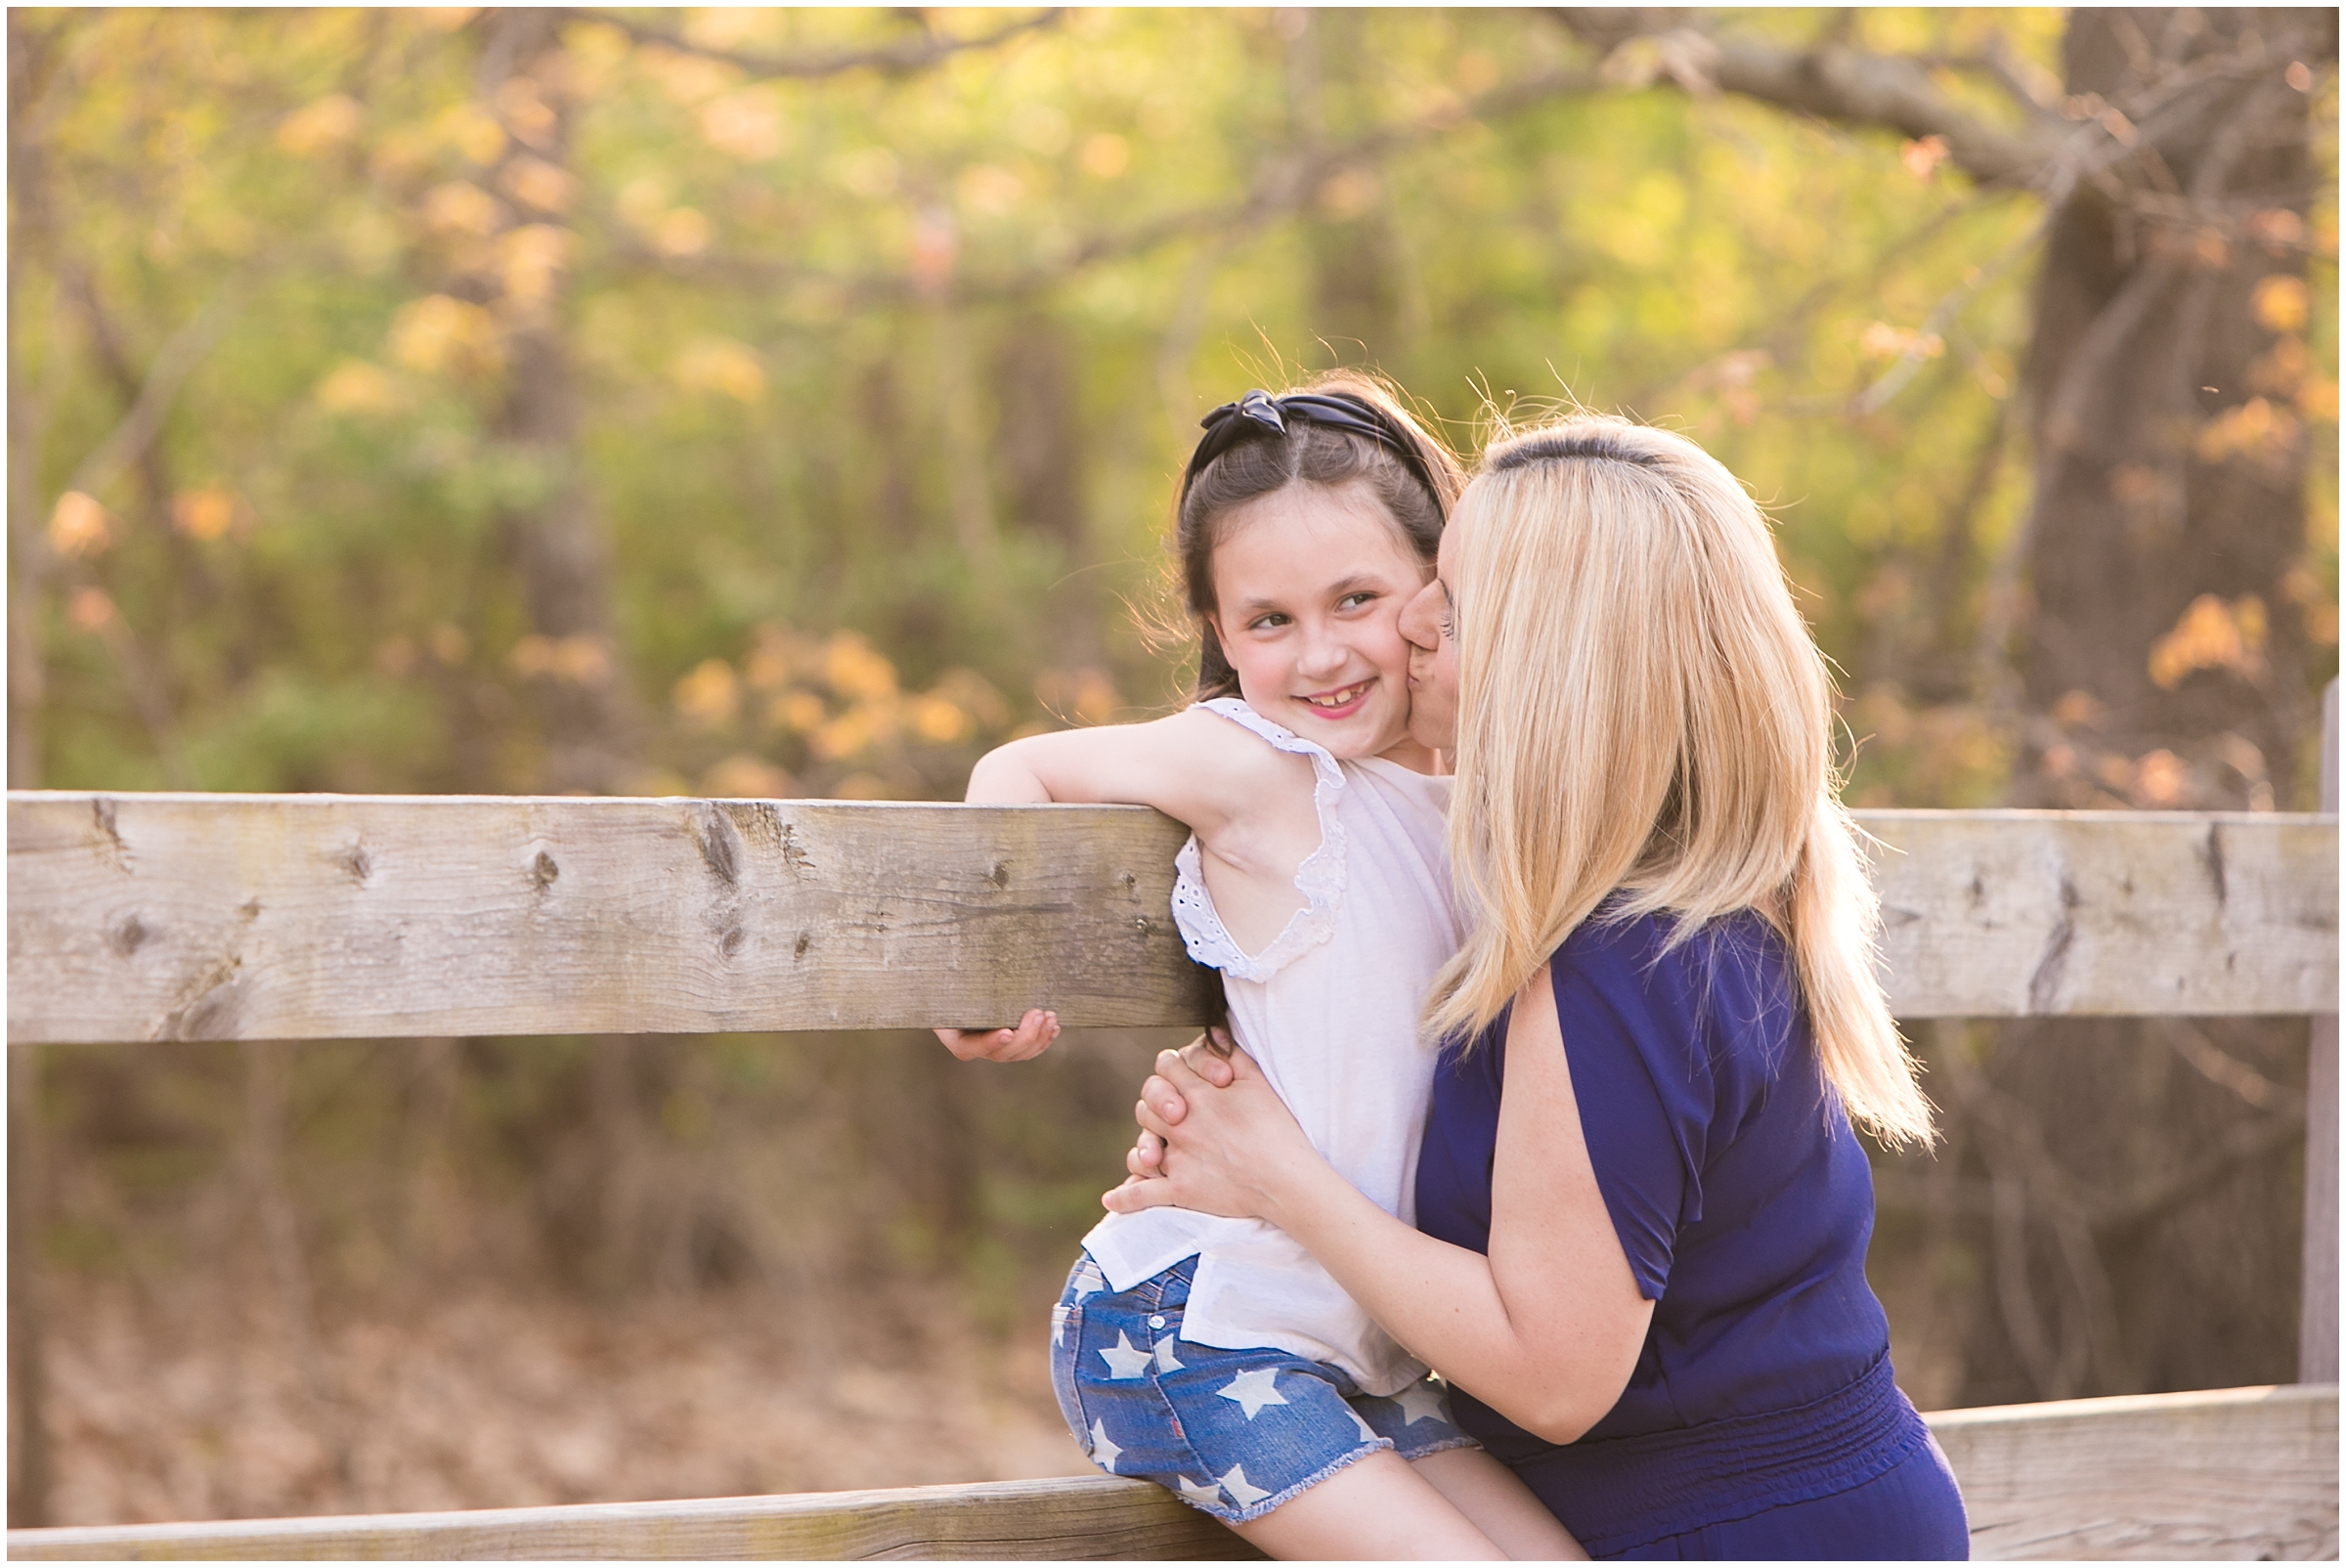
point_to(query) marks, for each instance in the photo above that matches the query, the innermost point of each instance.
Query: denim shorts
(1233, 1433)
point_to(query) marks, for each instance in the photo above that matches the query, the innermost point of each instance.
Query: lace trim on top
(1319, 879)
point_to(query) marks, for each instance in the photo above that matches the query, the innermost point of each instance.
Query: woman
(1641, 1210)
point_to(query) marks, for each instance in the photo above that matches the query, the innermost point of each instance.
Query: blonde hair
(1642, 709)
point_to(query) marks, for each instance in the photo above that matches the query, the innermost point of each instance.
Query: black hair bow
(1258, 414)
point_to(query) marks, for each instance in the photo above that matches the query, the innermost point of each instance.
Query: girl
(1213, 1356)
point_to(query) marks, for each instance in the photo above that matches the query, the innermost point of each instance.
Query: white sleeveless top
(1329, 1009)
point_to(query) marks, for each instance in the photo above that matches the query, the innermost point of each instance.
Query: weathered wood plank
(151, 917)
(1079, 1519)
(2013, 914)
(2236, 1473)
(160, 917)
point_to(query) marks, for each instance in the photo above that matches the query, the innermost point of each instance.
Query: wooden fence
(215, 917)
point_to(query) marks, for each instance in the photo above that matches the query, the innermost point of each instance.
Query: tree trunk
(558, 542)
(2169, 461)
(2165, 663)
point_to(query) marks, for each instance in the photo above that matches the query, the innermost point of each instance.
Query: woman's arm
(1546, 1330)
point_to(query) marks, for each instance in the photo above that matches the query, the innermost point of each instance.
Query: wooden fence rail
(2242, 1473)
(211, 917)
(215, 917)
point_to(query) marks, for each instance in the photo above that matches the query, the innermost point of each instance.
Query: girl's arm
(1546, 1330)
(1197, 767)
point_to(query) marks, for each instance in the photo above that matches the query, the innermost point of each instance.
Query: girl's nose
(1322, 655)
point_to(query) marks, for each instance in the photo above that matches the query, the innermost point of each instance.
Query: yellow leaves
(2078, 708)
(524, 110)
(2258, 429)
(354, 386)
(937, 720)
(1041, 128)
(857, 670)
(688, 79)
(529, 260)
(840, 696)
(723, 366)
(798, 712)
(1924, 155)
(1086, 694)
(1106, 156)
(2161, 780)
(1350, 192)
(471, 131)
(869, 172)
(742, 777)
(460, 207)
(2278, 229)
(206, 514)
(449, 644)
(91, 609)
(398, 654)
(1881, 340)
(681, 233)
(2280, 304)
(317, 129)
(710, 697)
(853, 732)
(442, 334)
(990, 189)
(538, 185)
(79, 526)
(581, 660)
(748, 124)
(2212, 634)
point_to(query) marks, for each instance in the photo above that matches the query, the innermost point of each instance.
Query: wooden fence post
(2318, 1313)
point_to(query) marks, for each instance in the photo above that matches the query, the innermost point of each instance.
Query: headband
(1259, 415)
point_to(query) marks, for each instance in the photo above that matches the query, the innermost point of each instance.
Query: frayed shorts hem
(1342, 1461)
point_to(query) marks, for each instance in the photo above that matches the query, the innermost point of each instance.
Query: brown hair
(1311, 452)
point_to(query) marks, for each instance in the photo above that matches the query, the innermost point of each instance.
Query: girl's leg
(1499, 1504)
(1378, 1509)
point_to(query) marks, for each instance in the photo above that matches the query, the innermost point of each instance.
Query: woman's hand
(1233, 1149)
(1032, 1038)
(1209, 1059)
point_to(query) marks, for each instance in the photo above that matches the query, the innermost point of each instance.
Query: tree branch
(1849, 86)
(889, 59)
(1284, 184)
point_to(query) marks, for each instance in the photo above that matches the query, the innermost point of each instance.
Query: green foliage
(791, 312)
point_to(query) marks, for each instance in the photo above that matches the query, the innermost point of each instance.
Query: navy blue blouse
(1744, 1204)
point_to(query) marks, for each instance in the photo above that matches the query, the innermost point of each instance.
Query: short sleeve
(1646, 1084)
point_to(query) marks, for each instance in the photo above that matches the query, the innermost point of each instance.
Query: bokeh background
(788, 403)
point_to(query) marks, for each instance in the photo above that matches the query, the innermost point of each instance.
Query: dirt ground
(199, 1408)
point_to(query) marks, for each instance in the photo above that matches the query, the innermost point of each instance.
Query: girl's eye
(1353, 601)
(1267, 623)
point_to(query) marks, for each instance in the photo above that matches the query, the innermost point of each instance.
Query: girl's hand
(1032, 1038)
(1230, 1150)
